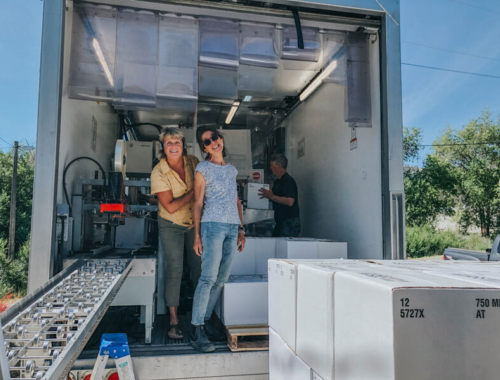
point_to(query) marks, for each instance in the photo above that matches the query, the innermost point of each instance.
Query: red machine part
(113, 207)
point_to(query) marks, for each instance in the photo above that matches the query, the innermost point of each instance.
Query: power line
(451, 71)
(459, 144)
(6, 142)
(451, 51)
(475, 6)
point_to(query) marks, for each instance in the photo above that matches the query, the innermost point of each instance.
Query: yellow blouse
(164, 178)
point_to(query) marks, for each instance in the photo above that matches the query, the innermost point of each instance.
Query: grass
(425, 241)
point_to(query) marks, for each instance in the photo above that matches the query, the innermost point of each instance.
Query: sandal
(177, 332)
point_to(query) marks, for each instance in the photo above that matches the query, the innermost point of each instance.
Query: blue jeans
(219, 241)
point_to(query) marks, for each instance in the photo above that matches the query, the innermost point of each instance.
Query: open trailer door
(373, 225)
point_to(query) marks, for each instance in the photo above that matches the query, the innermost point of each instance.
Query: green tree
(25, 176)
(474, 154)
(429, 192)
(428, 189)
(412, 140)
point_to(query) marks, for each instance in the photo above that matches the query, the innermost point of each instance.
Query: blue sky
(20, 37)
(432, 99)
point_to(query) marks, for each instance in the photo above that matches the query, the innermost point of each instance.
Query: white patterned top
(220, 202)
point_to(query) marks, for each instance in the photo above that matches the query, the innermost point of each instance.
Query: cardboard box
(315, 376)
(253, 198)
(283, 363)
(265, 249)
(482, 277)
(253, 259)
(329, 249)
(244, 301)
(401, 326)
(436, 267)
(303, 248)
(244, 262)
(315, 302)
(283, 275)
(283, 299)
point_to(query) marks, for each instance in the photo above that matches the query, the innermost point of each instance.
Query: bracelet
(241, 230)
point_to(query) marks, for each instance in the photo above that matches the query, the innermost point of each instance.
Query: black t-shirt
(285, 187)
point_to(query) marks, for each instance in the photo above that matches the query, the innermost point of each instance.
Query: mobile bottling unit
(320, 82)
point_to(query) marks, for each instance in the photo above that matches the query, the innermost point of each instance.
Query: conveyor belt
(45, 332)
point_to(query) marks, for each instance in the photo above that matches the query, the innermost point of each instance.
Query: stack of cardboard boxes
(346, 320)
(244, 298)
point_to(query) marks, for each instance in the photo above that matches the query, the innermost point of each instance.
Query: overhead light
(247, 98)
(318, 80)
(232, 111)
(102, 61)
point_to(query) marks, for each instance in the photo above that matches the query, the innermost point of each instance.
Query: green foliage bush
(14, 272)
(25, 176)
(424, 241)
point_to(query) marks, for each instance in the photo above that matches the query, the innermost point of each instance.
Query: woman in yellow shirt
(172, 181)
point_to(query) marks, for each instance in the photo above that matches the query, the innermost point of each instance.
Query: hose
(64, 178)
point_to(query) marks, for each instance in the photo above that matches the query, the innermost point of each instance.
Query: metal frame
(74, 305)
(237, 11)
(22, 304)
(43, 240)
(398, 241)
(43, 221)
(4, 365)
(79, 207)
(392, 133)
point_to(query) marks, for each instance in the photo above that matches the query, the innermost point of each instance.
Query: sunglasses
(209, 141)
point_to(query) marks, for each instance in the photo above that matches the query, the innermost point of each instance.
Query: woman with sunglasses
(172, 180)
(218, 226)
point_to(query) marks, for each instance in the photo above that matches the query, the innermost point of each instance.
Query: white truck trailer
(318, 81)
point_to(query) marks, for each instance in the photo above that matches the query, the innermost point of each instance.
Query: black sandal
(177, 334)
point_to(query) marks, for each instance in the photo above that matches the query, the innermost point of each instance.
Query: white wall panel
(77, 131)
(340, 190)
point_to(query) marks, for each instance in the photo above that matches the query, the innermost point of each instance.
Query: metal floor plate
(126, 320)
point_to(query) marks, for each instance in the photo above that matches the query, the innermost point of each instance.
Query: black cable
(122, 128)
(452, 71)
(475, 6)
(300, 38)
(5, 141)
(450, 51)
(460, 144)
(64, 177)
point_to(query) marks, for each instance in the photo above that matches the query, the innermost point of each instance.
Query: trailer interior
(274, 80)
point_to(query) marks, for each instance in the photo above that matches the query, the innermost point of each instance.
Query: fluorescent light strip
(319, 79)
(232, 111)
(102, 61)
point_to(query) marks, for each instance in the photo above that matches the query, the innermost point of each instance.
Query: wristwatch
(241, 230)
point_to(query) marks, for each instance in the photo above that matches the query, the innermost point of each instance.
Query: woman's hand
(241, 241)
(198, 247)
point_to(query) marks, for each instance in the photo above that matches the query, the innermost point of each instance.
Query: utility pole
(12, 224)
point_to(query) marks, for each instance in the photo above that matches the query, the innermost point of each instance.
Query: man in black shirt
(285, 198)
